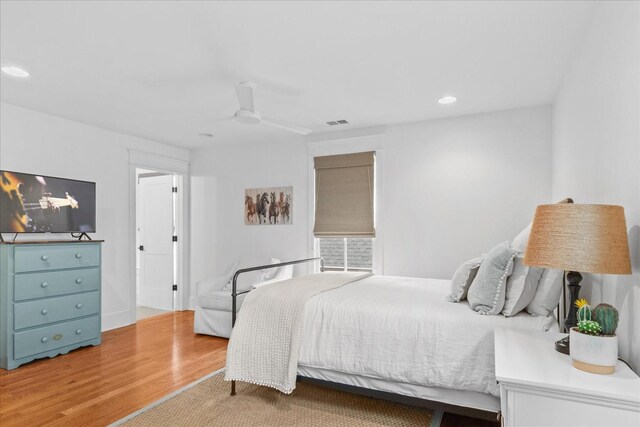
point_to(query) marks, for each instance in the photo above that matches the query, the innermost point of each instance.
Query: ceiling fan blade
(244, 90)
(286, 126)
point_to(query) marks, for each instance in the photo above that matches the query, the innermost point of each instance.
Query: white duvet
(402, 329)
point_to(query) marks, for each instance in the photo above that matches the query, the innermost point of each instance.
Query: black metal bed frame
(235, 293)
(392, 397)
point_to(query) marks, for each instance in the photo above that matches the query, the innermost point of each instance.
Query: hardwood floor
(135, 366)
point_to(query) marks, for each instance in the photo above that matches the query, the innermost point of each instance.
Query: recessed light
(447, 100)
(206, 135)
(15, 72)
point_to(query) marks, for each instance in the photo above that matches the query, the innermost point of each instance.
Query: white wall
(596, 147)
(453, 188)
(219, 176)
(43, 144)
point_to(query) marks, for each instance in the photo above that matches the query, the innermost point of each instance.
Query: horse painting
(263, 204)
(268, 205)
(280, 205)
(249, 209)
(273, 210)
(285, 210)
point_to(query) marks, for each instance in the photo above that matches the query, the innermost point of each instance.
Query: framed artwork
(268, 206)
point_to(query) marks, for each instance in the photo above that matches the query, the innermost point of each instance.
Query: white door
(156, 245)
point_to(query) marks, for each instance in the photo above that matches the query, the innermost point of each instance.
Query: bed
(397, 338)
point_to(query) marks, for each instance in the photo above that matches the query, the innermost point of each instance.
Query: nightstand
(539, 387)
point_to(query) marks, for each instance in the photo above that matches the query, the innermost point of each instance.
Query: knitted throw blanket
(263, 348)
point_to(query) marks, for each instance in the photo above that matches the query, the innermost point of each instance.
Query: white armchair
(214, 302)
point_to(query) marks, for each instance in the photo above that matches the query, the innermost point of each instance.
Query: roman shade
(344, 195)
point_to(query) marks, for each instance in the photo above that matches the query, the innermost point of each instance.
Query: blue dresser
(49, 299)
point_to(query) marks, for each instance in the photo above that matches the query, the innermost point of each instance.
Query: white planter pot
(594, 354)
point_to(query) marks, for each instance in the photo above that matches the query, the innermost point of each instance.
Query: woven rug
(207, 403)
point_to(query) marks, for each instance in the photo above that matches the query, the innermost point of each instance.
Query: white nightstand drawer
(534, 408)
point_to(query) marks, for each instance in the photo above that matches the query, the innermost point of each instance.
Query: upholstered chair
(214, 302)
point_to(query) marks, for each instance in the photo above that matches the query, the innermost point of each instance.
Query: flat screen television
(45, 204)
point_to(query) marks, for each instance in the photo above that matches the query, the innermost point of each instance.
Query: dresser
(539, 386)
(49, 299)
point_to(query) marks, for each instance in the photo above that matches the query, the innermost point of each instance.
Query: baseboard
(116, 320)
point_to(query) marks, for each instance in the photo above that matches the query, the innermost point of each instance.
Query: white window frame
(346, 145)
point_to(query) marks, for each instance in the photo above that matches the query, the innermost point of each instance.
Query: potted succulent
(594, 343)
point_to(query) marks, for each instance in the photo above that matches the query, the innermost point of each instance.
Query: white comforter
(402, 329)
(265, 340)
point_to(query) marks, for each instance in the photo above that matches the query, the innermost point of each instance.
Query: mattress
(402, 330)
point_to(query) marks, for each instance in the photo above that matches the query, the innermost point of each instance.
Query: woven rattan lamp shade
(584, 238)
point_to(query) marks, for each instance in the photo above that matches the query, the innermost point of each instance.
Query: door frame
(180, 168)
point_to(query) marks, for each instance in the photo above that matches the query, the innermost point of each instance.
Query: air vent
(338, 122)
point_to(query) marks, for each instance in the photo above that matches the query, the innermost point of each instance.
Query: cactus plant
(584, 310)
(589, 327)
(607, 317)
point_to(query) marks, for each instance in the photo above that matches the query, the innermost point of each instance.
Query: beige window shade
(344, 195)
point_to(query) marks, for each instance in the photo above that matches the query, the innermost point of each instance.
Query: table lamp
(578, 238)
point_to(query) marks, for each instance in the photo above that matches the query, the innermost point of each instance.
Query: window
(344, 210)
(346, 253)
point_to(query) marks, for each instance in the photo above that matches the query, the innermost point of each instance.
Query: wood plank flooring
(135, 366)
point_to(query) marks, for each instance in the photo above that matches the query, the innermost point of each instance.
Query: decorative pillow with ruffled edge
(463, 277)
(487, 292)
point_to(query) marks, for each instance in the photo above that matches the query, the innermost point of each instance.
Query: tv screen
(43, 204)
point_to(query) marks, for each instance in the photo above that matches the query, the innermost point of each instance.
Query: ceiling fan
(248, 114)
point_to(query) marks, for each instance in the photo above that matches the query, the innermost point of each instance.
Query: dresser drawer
(49, 338)
(41, 285)
(49, 310)
(55, 257)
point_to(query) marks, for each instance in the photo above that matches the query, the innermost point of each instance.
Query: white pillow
(246, 281)
(229, 276)
(270, 273)
(463, 277)
(521, 287)
(520, 242)
(547, 295)
(487, 291)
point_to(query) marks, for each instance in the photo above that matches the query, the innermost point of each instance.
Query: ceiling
(165, 70)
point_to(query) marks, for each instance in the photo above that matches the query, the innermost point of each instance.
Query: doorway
(156, 242)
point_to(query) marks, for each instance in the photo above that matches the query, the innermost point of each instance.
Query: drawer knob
(78, 305)
(44, 311)
(78, 255)
(44, 258)
(44, 284)
(78, 281)
(78, 331)
(44, 339)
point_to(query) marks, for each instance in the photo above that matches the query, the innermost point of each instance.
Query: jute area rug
(208, 403)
